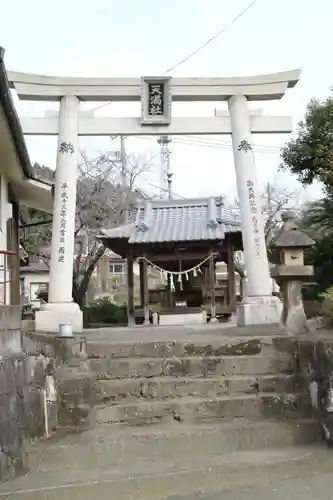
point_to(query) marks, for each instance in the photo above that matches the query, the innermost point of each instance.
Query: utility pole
(123, 161)
(123, 172)
(269, 199)
(166, 175)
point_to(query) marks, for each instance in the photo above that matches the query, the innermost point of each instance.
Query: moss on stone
(250, 347)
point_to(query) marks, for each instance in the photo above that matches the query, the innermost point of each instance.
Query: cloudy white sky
(135, 38)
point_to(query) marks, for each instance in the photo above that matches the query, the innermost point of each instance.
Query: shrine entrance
(181, 240)
(156, 95)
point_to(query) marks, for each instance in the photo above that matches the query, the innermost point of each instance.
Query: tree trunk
(80, 289)
(239, 269)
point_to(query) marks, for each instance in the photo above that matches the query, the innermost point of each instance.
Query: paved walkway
(289, 474)
(319, 487)
(170, 333)
(192, 333)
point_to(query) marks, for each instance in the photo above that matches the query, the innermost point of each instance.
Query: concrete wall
(21, 410)
(10, 330)
(315, 358)
(25, 363)
(21, 380)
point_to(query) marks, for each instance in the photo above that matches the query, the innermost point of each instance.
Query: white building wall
(32, 282)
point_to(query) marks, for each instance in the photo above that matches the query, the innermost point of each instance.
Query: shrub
(326, 310)
(104, 311)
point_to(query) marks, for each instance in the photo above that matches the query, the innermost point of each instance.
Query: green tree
(36, 226)
(310, 154)
(317, 220)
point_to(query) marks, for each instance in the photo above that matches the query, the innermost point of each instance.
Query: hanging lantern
(195, 274)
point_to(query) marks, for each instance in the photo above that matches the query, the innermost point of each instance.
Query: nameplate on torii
(156, 100)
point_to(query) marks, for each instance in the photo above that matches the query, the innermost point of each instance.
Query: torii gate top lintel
(52, 88)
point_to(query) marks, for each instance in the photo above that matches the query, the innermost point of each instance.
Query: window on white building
(239, 255)
(116, 269)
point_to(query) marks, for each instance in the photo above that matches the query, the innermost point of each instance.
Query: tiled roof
(178, 220)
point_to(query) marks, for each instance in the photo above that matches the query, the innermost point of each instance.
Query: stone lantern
(291, 273)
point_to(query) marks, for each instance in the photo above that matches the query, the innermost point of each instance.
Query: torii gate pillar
(259, 306)
(60, 308)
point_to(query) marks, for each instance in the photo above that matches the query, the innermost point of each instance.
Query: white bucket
(66, 330)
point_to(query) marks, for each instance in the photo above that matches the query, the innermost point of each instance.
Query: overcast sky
(135, 38)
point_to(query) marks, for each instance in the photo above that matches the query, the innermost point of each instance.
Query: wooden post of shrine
(141, 284)
(212, 279)
(145, 292)
(130, 288)
(170, 298)
(231, 278)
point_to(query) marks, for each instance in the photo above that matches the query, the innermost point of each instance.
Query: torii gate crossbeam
(215, 125)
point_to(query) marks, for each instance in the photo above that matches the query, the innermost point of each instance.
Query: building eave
(13, 119)
(16, 164)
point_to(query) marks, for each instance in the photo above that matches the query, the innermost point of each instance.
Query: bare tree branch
(102, 201)
(103, 198)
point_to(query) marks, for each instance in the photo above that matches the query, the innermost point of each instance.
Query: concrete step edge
(116, 391)
(122, 430)
(185, 347)
(144, 359)
(170, 378)
(192, 399)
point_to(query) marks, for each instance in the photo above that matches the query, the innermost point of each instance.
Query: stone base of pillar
(54, 314)
(259, 311)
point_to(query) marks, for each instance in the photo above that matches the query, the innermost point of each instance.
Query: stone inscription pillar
(258, 306)
(61, 308)
(60, 289)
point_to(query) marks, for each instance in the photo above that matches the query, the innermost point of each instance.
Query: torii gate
(156, 95)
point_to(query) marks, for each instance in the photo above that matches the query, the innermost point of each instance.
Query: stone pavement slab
(319, 487)
(154, 480)
(109, 445)
(194, 333)
(186, 332)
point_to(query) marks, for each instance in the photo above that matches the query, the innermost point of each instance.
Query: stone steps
(178, 417)
(191, 366)
(149, 382)
(120, 390)
(155, 479)
(261, 405)
(110, 444)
